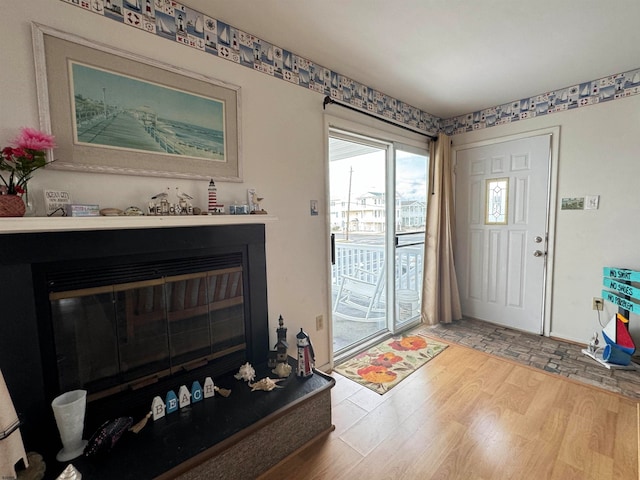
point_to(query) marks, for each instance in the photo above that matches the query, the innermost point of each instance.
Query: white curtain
(440, 296)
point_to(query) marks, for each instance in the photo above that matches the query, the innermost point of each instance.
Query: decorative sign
(83, 210)
(620, 302)
(619, 280)
(621, 274)
(209, 388)
(196, 392)
(171, 401)
(158, 408)
(55, 202)
(622, 288)
(576, 203)
(185, 397)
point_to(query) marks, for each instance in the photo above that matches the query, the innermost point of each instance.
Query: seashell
(246, 373)
(133, 211)
(282, 370)
(110, 212)
(267, 384)
(70, 473)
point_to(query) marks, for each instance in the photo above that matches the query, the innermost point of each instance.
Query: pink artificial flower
(33, 139)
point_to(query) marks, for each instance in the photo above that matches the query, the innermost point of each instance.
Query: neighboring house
(367, 214)
(412, 215)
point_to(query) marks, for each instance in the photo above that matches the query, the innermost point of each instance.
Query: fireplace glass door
(121, 336)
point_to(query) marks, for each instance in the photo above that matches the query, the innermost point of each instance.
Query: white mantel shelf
(64, 224)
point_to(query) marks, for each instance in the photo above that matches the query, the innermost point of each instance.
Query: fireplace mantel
(64, 224)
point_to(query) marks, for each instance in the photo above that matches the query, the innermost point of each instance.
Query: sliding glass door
(411, 214)
(377, 212)
(358, 209)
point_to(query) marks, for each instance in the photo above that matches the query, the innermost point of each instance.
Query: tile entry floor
(541, 352)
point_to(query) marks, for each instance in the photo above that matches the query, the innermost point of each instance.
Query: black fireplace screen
(127, 335)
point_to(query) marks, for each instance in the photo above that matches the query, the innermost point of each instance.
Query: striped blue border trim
(174, 21)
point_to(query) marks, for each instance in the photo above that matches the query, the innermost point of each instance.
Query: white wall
(283, 152)
(599, 155)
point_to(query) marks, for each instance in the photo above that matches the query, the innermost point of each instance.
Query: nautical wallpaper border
(612, 87)
(174, 21)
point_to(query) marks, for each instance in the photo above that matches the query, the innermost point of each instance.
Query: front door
(502, 198)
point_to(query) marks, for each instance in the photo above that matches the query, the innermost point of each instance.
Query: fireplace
(127, 315)
(112, 334)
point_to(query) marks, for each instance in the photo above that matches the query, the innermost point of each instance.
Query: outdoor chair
(360, 299)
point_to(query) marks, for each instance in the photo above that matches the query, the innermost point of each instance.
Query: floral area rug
(384, 366)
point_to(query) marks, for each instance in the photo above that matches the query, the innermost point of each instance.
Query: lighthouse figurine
(306, 357)
(213, 206)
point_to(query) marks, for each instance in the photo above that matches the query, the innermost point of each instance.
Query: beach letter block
(158, 408)
(171, 401)
(185, 396)
(196, 392)
(209, 388)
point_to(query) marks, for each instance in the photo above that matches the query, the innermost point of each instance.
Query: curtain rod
(328, 100)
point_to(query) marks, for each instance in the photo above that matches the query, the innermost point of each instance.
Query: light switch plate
(591, 202)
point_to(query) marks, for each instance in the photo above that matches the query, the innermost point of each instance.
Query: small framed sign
(55, 202)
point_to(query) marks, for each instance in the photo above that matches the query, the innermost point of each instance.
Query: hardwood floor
(470, 415)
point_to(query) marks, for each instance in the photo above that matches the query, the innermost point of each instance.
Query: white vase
(68, 410)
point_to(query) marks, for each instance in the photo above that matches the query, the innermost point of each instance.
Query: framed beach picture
(115, 112)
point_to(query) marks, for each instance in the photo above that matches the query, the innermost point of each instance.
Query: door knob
(537, 239)
(538, 253)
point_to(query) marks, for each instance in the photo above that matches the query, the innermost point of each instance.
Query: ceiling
(448, 57)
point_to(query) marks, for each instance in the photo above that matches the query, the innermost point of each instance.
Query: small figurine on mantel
(214, 208)
(159, 204)
(306, 357)
(255, 204)
(282, 368)
(184, 203)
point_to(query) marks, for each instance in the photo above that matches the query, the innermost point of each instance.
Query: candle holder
(68, 410)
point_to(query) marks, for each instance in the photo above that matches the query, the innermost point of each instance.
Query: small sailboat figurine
(616, 333)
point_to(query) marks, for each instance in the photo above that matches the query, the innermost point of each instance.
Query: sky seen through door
(410, 176)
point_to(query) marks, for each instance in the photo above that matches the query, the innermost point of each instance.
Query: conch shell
(246, 373)
(267, 384)
(282, 370)
(70, 473)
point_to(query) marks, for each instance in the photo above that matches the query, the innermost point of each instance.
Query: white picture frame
(60, 59)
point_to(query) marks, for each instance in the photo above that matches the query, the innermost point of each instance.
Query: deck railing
(366, 262)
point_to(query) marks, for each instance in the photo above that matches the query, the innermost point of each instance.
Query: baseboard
(564, 338)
